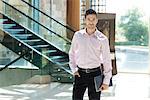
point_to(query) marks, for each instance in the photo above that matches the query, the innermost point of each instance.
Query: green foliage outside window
(134, 29)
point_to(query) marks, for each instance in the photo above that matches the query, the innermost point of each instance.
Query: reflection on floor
(126, 87)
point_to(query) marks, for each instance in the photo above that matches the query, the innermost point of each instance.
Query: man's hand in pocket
(77, 74)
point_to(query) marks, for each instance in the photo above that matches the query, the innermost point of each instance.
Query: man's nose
(91, 22)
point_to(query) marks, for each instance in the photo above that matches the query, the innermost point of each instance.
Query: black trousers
(86, 80)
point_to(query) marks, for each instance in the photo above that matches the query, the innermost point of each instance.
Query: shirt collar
(84, 32)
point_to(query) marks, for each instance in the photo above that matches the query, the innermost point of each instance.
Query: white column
(149, 42)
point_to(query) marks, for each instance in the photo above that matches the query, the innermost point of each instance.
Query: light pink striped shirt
(89, 51)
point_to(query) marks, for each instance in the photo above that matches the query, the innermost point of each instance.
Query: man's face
(91, 21)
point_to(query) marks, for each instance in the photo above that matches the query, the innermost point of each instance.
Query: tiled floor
(126, 87)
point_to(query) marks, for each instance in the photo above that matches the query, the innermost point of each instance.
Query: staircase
(36, 49)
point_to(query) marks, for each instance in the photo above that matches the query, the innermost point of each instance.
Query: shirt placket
(86, 49)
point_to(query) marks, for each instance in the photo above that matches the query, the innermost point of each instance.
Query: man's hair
(89, 12)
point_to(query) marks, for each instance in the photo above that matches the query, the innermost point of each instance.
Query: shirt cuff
(106, 81)
(74, 70)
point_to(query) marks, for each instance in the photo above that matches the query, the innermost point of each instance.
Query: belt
(89, 70)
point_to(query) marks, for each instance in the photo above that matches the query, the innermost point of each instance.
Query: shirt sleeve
(72, 51)
(106, 61)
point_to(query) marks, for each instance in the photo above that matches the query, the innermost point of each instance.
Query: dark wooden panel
(73, 16)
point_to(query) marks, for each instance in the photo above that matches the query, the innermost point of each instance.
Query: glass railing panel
(44, 19)
(7, 56)
(45, 6)
(55, 40)
(35, 26)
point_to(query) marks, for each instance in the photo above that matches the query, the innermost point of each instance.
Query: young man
(89, 49)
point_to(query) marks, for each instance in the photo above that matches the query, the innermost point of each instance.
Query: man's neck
(90, 31)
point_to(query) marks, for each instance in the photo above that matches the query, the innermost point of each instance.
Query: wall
(14, 76)
(73, 15)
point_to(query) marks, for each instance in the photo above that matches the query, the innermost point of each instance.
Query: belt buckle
(87, 70)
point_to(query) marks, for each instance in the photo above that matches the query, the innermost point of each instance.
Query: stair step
(34, 40)
(63, 63)
(64, 67)
(40, 46)
(49, 51)
(3, 24)
(22, 35)
(2, 20)
(14, 30)
(7, 25)
(56, 57)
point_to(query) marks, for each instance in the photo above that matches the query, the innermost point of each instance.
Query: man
(89, 49)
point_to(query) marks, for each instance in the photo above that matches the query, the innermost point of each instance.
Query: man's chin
(91, 28)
